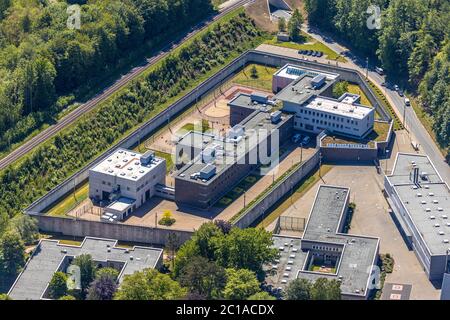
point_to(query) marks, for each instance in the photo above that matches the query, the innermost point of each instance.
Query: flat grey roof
(255, 121)
(326, 212)
(301, 89)
(244, 100)
(358, 252)
(427, 203)
(49, 254)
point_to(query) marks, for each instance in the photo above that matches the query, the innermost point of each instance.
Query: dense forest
(412, 45)
(43, 63)
(52, 162)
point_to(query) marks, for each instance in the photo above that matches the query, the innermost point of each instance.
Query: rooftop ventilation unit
(441, 233)
(259, 97)
(445, 241)
(432, 217)
(208, 172)
(318, 81)
(147, 157)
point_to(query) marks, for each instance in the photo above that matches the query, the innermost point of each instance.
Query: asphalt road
(417, 131)
(124, 80)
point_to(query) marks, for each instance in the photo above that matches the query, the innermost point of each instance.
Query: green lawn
(168, 157)
(317, 269)
(356, 89)
(191, 126)
(262, 81)
(312, 45)
(68, 203)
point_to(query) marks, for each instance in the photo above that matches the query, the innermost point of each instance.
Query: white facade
(126, 174)
(336, 116)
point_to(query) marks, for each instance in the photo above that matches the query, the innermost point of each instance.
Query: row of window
(325, 248)
(326, 116)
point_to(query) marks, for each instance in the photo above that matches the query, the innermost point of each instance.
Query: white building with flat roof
(126, 180)
(343, 116)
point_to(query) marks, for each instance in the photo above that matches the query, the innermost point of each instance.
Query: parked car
(400, 93)
(407, 102)
(306, 140)
(379, 70)
(383, 84)
(396, 87)
(320, 53)
(301, 51)
(296, 137)
(308, 52)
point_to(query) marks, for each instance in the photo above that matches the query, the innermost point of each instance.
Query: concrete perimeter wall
(258, 208)
(82, 227)
(118, 231)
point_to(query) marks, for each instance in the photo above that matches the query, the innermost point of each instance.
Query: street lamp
(386, 153)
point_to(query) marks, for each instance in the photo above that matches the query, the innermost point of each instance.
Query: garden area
(256, 76)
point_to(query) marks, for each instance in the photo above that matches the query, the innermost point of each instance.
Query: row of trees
(54, 161)
(218, 262)
(95, 283)
(43, 62)
(412, 44)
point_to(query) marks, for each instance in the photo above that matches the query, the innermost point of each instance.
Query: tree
(204, 278)
(167, 219)
(241, 284)
(102, 288)
(298, 289)
(172, 244)
(340, 88)
(58, 285)
(68, 297)
(224, 226)
(4, 297)
(12, 253)
(262, 295)
(295, 25)
(249, 248)
(324, 289)
(282, 24)
(202, 243)
(27, 227)
(254, 72)
(109, 272)
(149, 284)
(87, 270)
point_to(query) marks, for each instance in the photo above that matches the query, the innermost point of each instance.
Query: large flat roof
(340, 108)
(232, 152)
(49, 254)
(301, 89)
(126, 164)
(358, 253)
(427, 203)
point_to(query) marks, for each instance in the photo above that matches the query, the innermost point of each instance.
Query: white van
(407, 102)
